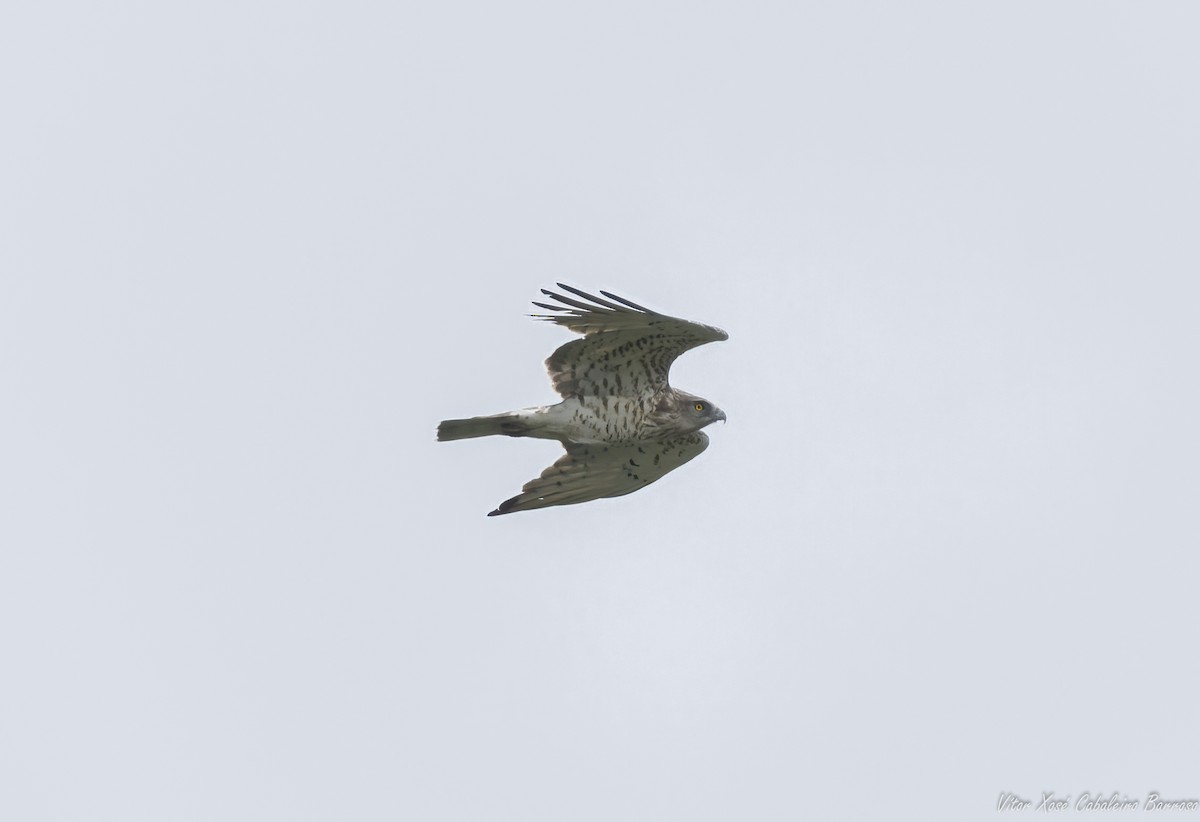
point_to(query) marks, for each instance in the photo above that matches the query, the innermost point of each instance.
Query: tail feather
(509, 425)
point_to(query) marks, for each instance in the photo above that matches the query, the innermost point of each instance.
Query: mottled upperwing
(626, 349)
(588, 472)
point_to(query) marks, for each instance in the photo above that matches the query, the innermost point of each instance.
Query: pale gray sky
(945, 547)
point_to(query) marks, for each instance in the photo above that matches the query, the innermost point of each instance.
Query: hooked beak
(721, 416)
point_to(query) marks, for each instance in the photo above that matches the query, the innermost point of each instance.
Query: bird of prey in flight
(621, 422)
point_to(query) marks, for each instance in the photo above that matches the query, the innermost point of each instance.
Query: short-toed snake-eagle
(622, 423)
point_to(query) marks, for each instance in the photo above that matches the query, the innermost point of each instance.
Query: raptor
(621, 422)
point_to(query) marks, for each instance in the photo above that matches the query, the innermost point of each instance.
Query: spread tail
(509, 425)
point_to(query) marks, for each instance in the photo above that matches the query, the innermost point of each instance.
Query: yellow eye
(699, 406)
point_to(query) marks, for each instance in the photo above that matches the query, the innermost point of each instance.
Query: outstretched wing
(588, 472)
(626, 349)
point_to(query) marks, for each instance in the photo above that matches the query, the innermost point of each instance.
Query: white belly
(594, 420)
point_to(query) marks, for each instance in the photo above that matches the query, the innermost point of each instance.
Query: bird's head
(697, 412)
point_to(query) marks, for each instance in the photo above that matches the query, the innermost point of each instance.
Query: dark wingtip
(624, 301)
(505, 507)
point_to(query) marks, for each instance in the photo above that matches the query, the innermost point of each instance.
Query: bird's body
(583, 420)
(621, 422)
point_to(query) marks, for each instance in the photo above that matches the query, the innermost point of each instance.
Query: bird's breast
(604, 419)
